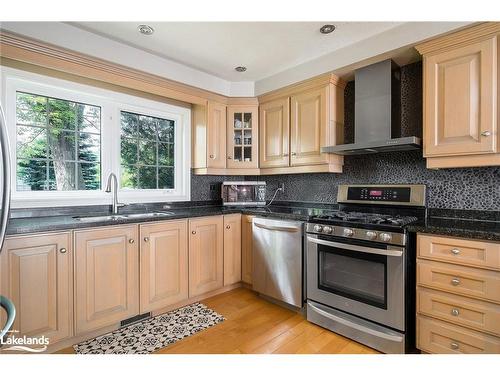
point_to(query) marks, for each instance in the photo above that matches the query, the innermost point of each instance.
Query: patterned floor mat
(155, 333)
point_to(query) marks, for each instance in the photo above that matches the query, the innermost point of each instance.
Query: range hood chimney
(377, 113)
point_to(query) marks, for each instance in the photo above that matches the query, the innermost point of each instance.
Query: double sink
(97, 219)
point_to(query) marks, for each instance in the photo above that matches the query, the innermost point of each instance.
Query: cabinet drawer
(461, 280)
(435, 336)
(468, 312)
(459, 251)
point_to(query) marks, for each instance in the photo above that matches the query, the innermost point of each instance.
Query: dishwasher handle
(277, 228)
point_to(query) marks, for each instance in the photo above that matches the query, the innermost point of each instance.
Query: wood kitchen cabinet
(206, 254)
(242, 137)
(216, 135)
(246, 248)
(274, 133)
(297, 121)
(458, 295)
(37, 275)
(232, 249)
(461, 98)
(163, 264)
(106, 276)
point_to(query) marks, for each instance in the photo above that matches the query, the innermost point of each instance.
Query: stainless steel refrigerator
(5, 178)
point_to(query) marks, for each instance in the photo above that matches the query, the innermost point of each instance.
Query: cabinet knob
(229, 157)
(455, 281)
(294, 154)
(455, 312)
(131, 240)
(455, 251)
(486, 133)
(228, 226)
(454, 346)
(193, 232)
(63, 250)
(211, 156)
(146, 239)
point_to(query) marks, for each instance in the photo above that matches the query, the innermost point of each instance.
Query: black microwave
(243, 193)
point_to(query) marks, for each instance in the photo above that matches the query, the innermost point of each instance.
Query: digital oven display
(375, 193)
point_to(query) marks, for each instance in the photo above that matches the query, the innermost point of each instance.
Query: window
(66, 138)
(147, 151)
(58, 144)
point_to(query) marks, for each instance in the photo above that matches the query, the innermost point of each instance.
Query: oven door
(357, 277)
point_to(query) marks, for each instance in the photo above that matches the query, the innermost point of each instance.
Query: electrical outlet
(213, 187)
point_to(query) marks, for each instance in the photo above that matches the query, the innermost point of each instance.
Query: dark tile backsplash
(464, 188)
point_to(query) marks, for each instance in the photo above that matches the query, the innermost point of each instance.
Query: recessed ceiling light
(241, 69)
(146, 29)
(327, 29)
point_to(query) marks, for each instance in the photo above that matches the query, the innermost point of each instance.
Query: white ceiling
(204, 54)
(265, 48)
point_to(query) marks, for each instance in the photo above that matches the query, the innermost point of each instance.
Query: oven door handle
(391, 250)
(353, 325)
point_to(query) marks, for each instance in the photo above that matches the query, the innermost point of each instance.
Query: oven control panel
(391, 238)
(393, 194)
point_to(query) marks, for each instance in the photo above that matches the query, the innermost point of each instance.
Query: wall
(463, 188)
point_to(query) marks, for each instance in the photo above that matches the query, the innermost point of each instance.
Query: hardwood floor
(254, 325)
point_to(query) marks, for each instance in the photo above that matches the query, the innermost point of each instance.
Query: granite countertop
(22, 225)
(484, 225)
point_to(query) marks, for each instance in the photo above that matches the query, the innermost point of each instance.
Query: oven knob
(371, 235)
(386, 237)
(327, 230)
(348, 232)
(317, 228)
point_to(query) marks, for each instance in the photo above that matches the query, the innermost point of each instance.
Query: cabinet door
(164, 264)
(246, 248)
(37, 275)
(460, 100)
(232, 249)
(216, 135)
(309, 127)
(242, 137)
(206, 252)
(274, 133)
(106, 277)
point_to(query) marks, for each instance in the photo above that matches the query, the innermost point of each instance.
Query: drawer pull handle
(454, 346)
(455, 251)
(455, 282)
(486, 133)
(62, 250)
(455, 312)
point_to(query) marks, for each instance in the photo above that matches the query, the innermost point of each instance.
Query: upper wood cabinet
(309, 127)
(37, 275)
(216, 135)
(242, 137)
(232, 249)
(246, 248)
(206, 254)
(297, 121)
(274, 133)
(460, 98)
(163, 264)
(106, 276)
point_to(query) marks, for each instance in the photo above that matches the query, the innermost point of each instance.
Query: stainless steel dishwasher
(277, 259)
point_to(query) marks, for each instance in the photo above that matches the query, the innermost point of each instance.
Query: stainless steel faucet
(113, 180)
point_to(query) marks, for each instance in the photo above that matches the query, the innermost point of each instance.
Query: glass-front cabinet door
(242, 136)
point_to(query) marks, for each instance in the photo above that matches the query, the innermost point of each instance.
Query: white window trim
(111, 103)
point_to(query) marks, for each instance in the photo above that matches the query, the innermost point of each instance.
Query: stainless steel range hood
(377, 113)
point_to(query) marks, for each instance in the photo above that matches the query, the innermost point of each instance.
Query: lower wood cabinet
(232, 249)
(37, 275)
(164, 264)
(106, 276)
(246, 248)
(206, 254)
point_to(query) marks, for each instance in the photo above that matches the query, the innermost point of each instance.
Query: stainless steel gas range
(361, 265)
